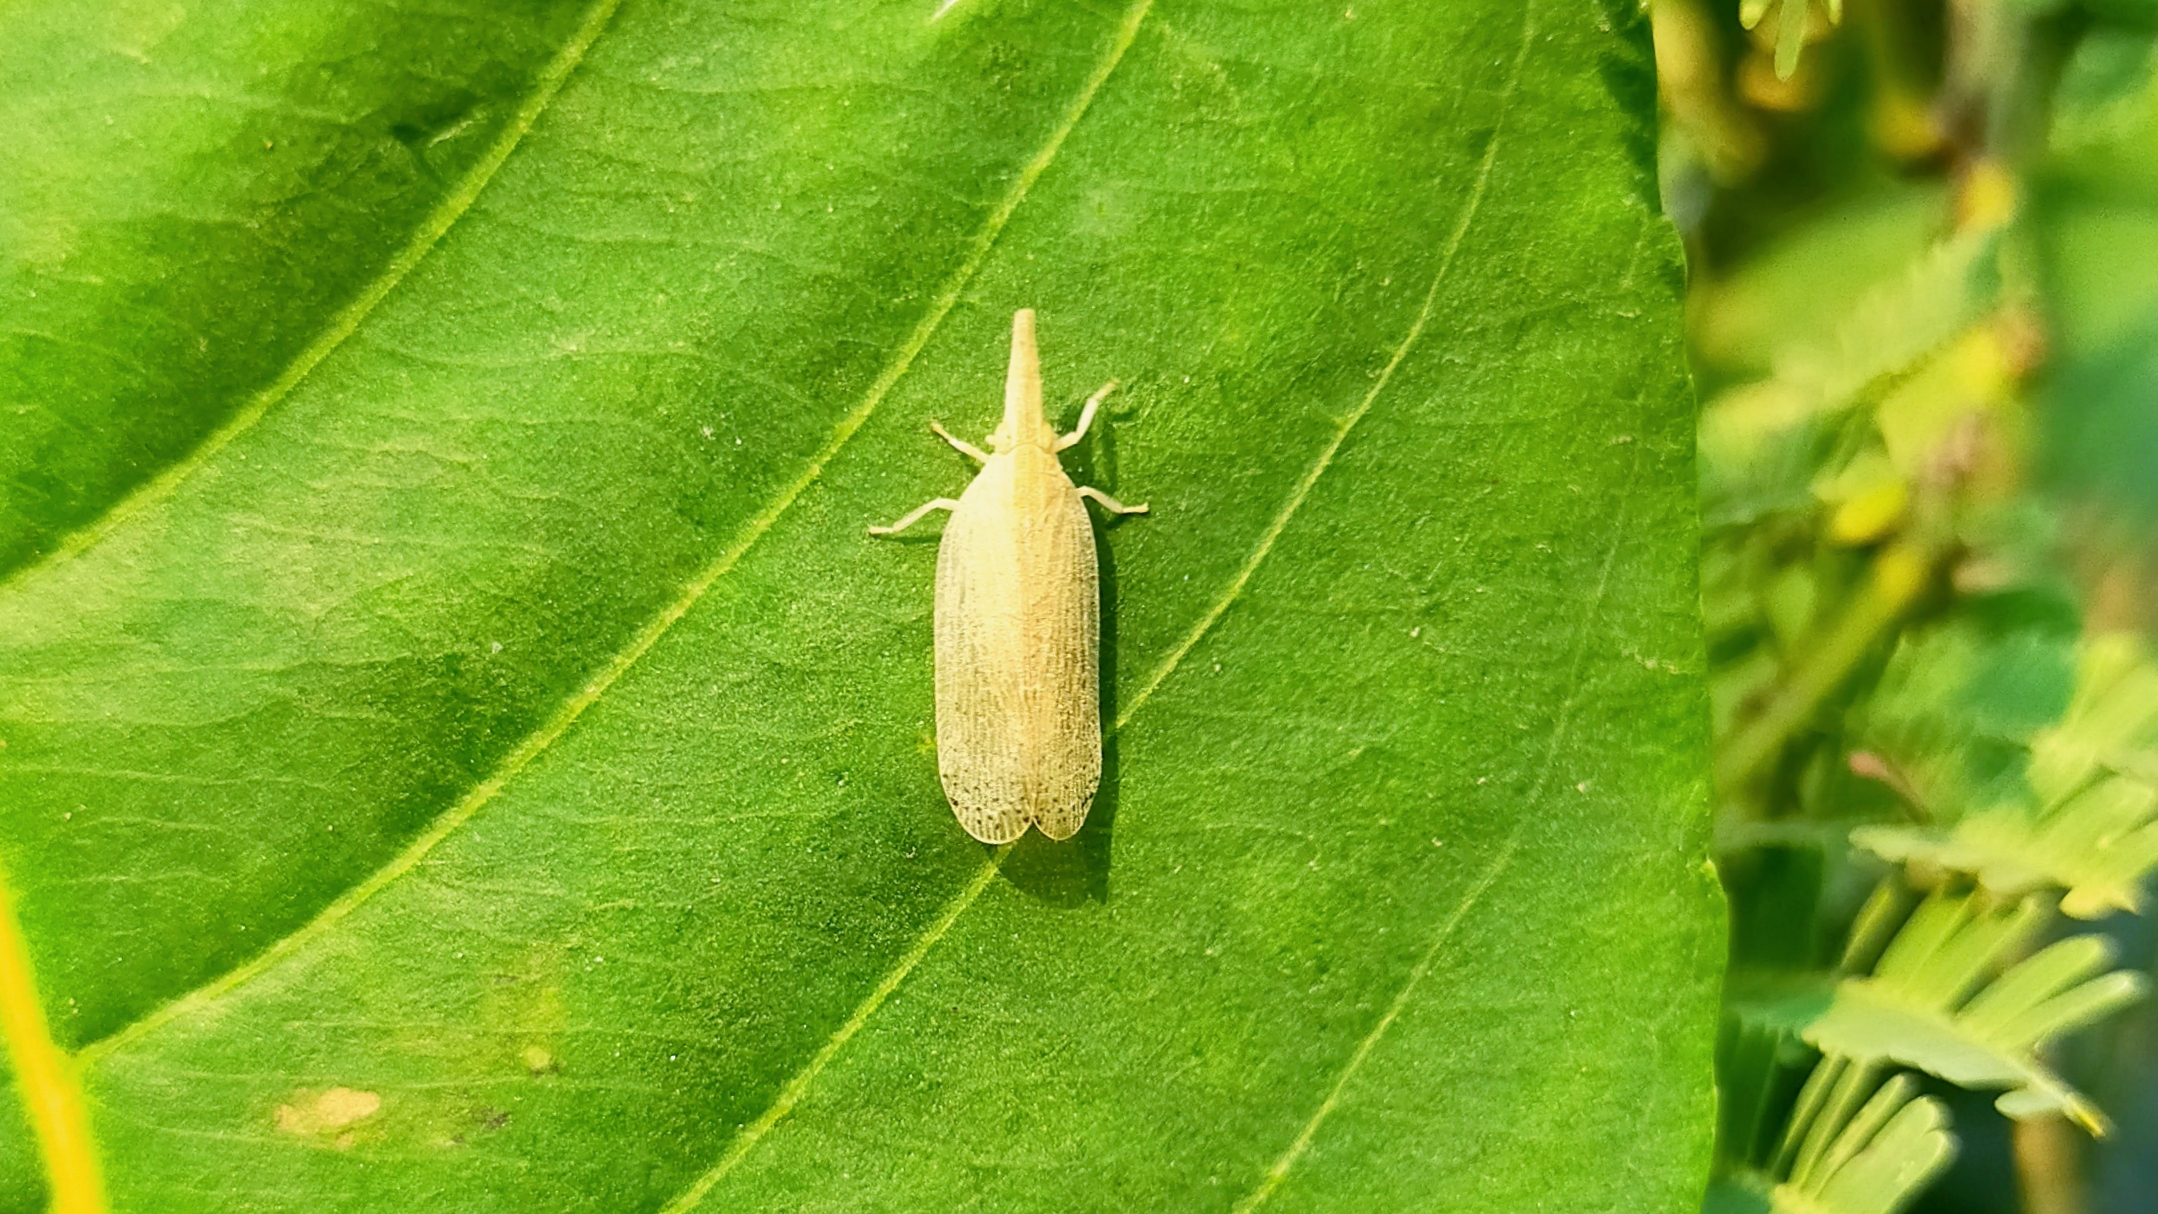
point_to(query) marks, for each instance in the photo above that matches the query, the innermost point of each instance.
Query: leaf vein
(799, 1085)
(1280, 1171)
(574, 707)
(50, 1089)
(347, 319)
(1559, 726)
(1318, 468)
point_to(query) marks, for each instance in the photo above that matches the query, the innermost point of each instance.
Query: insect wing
(1065, 713)
(1017, 636)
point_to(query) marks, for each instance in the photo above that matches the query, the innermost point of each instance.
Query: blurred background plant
(1924, 323)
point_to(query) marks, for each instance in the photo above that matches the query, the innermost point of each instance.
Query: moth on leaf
(1018, 622)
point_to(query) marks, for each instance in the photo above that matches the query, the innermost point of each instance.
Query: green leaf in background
(1853, 1143)
(1869, 1158)
(2094, 218)
(1949, 997)
(1762, 443)
(494, 770)
(1801, 288)
(1952, 719)
(2082, 814)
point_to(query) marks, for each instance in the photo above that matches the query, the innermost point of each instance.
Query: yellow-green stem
(46, 1076)
(1898, 576)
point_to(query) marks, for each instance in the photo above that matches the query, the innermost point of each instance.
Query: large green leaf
(496, 772)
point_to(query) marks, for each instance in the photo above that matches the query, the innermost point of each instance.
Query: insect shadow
(1076, 871)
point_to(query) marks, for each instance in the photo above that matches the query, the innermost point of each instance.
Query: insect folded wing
(1018, 623)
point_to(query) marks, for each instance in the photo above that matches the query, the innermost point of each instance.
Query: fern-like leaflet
(1950, 997)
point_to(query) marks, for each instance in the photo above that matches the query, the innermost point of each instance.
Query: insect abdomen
(1017, 636)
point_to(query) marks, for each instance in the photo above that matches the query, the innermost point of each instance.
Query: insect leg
(1110, 504)
(965, 447)
(942, 503)
(1086, 416)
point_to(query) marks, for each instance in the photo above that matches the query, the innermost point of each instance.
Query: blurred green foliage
(1924, 323)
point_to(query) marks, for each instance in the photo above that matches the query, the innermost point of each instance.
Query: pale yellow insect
(1019, 622)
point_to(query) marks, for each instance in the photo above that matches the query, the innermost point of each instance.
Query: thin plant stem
(1899, 575)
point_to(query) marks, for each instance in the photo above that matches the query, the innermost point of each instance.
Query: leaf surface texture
(496, 772)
